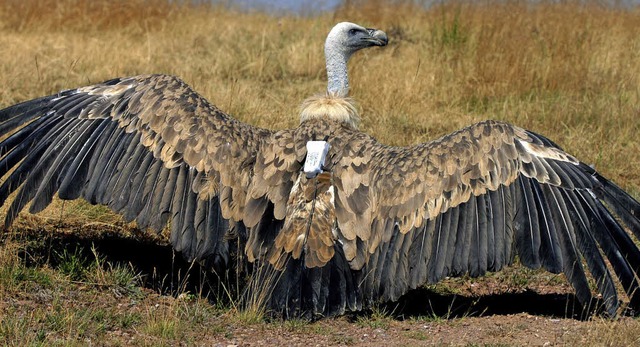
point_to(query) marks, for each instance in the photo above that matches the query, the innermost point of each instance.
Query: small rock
(379, 332)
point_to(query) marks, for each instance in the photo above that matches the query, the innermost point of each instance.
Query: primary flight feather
(370, 224)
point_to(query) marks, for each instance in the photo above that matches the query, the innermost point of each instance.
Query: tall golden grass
(568, 70)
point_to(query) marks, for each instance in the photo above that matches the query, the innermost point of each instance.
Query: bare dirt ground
(515, 307)
(517, 329)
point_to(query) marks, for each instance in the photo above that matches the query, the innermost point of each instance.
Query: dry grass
(567, 70)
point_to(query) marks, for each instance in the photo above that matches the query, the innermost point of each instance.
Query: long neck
(338, 79)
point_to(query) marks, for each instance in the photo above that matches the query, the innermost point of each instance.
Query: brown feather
(178, 125)
(309, 225)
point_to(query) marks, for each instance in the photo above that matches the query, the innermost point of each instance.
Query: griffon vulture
(346, 224)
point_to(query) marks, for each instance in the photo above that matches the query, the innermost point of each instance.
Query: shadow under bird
(365, 223)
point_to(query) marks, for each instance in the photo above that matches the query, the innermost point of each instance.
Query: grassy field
(569, 71)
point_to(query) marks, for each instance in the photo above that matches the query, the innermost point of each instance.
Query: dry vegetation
(567, 70)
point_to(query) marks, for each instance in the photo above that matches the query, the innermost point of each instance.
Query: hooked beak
(377, 37)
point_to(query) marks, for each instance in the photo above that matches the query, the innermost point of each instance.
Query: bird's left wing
(149, 147)
(470, 201)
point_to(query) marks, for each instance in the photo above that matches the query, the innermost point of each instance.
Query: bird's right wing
(149, 147)
(469, 201)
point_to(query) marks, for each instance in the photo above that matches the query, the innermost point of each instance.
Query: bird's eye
(352, 32)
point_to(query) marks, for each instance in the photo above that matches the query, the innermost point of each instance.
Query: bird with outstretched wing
(367, 223)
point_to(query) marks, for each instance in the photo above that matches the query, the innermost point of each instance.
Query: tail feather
(316, 292)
